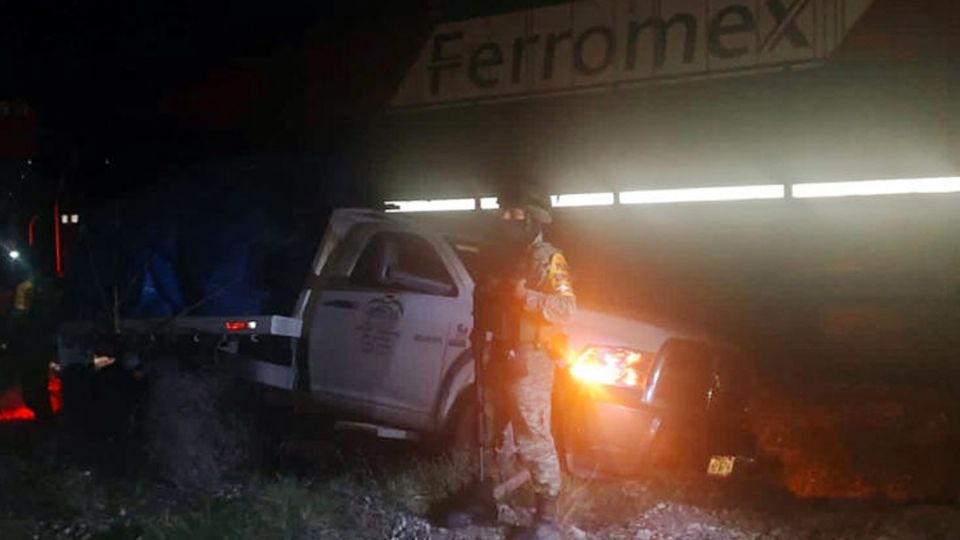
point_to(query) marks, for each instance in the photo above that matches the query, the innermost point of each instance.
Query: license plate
(721, 466)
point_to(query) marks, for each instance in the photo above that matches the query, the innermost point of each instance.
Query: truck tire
(670, 451)
(460, 433)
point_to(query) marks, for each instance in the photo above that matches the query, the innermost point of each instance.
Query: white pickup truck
(381, 335)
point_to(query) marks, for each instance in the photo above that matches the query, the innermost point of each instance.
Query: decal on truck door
(380, 327)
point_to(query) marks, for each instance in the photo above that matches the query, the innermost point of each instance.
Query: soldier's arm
(557, 303)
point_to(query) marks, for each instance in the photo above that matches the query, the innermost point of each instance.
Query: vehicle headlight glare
(615, 366)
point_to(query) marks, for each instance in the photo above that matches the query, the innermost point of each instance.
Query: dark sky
(82, 60)
(130, 53)
(169, 81)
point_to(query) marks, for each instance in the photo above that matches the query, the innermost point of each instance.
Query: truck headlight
(617, 366)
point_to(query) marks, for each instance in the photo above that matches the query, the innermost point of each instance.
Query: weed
(280, 508)
(292, 505)
(48, 491)
(212, 518)
(427, 481)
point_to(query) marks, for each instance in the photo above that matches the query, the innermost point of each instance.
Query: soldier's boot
(544, 525)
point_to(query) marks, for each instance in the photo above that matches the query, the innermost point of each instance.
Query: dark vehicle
(651, 398)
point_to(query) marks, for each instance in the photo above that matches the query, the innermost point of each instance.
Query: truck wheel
(663, 451)
(461, 429)
(671, 451)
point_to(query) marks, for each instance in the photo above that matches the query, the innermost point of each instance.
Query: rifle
(485, 337)
(479, 374)
(513, 483)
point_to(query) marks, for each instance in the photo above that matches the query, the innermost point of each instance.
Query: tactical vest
(522, 328)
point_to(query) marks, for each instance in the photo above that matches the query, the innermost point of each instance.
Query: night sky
(154, 83)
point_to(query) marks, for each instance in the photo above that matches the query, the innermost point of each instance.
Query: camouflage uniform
(528, 338)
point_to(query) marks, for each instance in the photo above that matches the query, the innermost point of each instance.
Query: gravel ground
(190, 480)
(69, 503)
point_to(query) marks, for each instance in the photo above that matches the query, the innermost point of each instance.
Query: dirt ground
(878, 466)
(345, 488)
(77, 503)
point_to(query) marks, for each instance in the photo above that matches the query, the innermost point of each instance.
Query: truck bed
(264, 325)
(261, 348)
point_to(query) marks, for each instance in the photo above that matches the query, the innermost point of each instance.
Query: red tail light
(233, 326)
(55, 390)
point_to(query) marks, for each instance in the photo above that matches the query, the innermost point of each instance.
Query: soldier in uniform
(534, 298)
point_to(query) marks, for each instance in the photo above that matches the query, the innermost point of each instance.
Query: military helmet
(529, 197)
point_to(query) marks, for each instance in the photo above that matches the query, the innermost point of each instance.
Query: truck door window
(401, 261)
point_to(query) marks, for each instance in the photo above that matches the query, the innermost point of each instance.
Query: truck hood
(591, 326)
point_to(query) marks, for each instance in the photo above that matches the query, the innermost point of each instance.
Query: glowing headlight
(610, 366)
